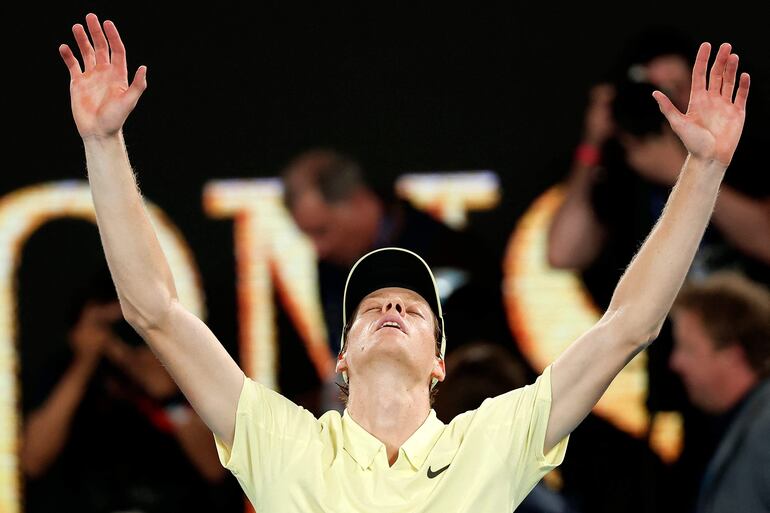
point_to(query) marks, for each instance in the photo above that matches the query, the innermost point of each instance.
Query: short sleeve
(271, 433)
(516, 423)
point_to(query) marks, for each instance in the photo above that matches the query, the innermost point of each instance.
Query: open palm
(714, 121)
(101, 97)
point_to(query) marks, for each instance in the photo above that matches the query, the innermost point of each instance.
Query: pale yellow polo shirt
(485, 460)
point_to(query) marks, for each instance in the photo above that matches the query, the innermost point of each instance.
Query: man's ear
(439, 369)
(342, 364)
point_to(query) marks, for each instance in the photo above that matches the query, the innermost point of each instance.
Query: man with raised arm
(388, 452)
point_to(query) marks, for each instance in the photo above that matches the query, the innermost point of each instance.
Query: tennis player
(388, 452)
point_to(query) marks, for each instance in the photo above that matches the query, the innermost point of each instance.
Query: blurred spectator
(107, 430)
(480, 370)
(722, 352)
(333, 203)
(620, 176)
(629, 157)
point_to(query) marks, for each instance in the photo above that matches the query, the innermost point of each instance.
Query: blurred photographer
(107, 429)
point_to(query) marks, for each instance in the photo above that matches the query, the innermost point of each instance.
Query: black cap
(392, 267)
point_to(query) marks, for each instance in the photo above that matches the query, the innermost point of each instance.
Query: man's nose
(394, 304)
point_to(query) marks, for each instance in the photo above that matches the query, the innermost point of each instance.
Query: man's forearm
(647, 290)
(640, 303)
(47, 428)
(138, 266)
(575, 235)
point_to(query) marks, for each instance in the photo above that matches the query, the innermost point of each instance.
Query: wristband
(588, 155)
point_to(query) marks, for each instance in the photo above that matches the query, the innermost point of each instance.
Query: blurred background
(472, 114)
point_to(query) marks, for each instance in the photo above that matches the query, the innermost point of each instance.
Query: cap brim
(390, 267)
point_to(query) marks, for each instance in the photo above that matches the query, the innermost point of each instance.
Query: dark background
(236, 90)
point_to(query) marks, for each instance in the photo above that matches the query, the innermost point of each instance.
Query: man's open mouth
(391, 324)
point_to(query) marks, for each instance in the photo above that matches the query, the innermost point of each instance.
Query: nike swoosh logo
(432, 474)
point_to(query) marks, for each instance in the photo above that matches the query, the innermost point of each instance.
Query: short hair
(333, 174)
(437, 334)
(733, 310)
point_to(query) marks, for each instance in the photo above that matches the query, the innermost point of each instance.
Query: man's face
(393, 331)
(332, 227)
(701, 365)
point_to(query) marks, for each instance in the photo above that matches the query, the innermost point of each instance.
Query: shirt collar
(363, 446)
(418, 446)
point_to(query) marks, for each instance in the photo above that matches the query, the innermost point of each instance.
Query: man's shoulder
(752, 425)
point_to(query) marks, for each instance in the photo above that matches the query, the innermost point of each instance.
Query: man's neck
(389, 410)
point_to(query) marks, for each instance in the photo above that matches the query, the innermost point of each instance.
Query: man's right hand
(93, 330)
(101, 97)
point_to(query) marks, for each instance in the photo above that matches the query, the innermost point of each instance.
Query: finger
(699, 68)
(97, 36)
(668, 109)
(138, 86)
(70, 61)
(86, 51)
(118, 57)
(728, 84)
(743, 91)
(718, 68)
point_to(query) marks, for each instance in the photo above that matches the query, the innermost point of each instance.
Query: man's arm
(576, 235)
(47, 428)
(710, 131)
(141, 365)
(101, 102)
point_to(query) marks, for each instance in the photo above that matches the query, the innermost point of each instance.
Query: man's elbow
(145, 320)
(556, 258)
(560, 257)
(567, 261)
(33, 463)
(213, 473)
(625, 328)
(32, 468)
